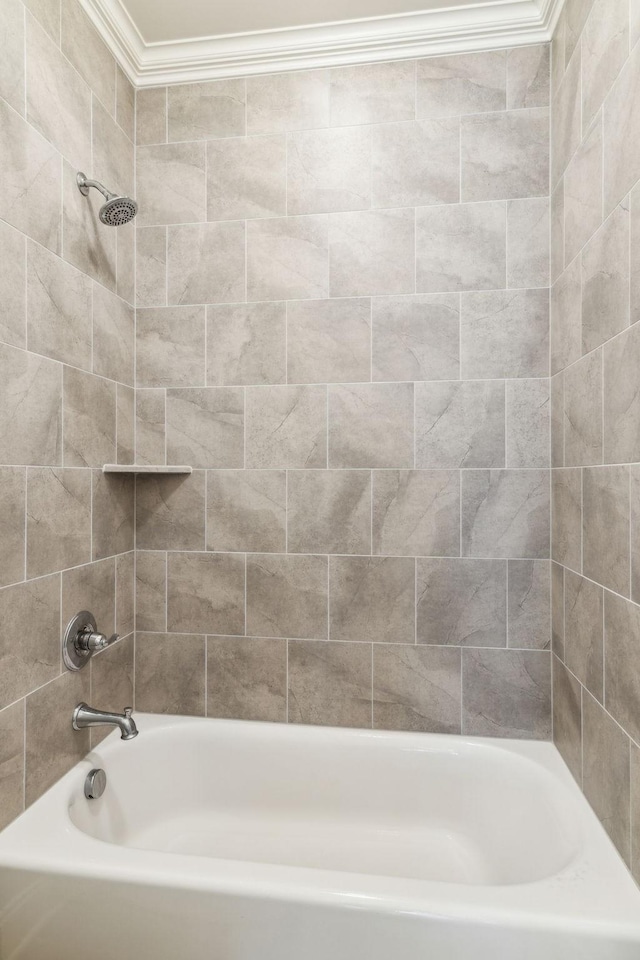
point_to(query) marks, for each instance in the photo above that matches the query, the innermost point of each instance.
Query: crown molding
(495, 23)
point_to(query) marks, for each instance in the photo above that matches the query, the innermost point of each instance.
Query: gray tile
(287, 258)
(506, 693)
(12, 68)
(416, 338)
(606, 526)
(151, 591)
(622, 640)
(47, 13)
(11, 763)
(372, 252)
(286, 427)
(459, 84)
(373, 93)
(205, 593)
(505, 155)
(58, 519)
(567, 718)
(170, 512)
(461, 247)
(112, 514)
(13, 487)
(577, 13)
(192, 252)
(371, 425)
(460, 424)
(634, 496)
(416, 512)
(112, 152)
(246, 510)
(59, 308)
(87, 244)
(125, 593)
(201, 111)
(557, 231)
(505, 334)
(462, 603)
(13, 269)
(288, 101)
(329, 170)
(150, 426)
(416, 688)
(113, 337)
(85, 49)
(125, 424)
(583, 639)
(246, 177)
(247, 678)
(583, 411)
(170, 347)
(622, 398)
(287, 596)
(528, 243)
(505, 513)
(605, 47)
(151, 266)
(329, 511)
(528, 426)
(566, 317)
(566, 517)
(89, 419)
(606, 775)
(635, 799)
(529, 604)
(246, 343)
(31, 398)
(36, 659)
(583, 193)
(125, 104)
(557, 420)
(170, 185)
(557, 609)
(151, 115)
(328, 340)
(372, 599)
(566, 129)
(91, 587)
(170, 673)
(528, 76)
(205, 427)
(416, 163)
(329, 684)
(605, 281)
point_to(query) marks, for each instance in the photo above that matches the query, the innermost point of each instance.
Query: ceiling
(178, 41)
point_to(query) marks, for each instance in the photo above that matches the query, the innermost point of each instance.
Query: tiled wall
(595, 357)
(66, 386)
(342, 324)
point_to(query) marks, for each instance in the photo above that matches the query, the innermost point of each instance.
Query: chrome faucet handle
(82, 639)
(88, 640)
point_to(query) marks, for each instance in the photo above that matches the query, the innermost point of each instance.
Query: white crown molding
(495, 23)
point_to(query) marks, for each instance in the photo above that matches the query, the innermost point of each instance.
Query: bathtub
(224, 840)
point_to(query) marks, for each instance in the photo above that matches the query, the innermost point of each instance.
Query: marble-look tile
(89, 419)
(170, 512)
(150, 426)
(528, 76)
(13, 271)
(85, 49)
(170, 184)
(112, 682)
(576, 16)
(329, 511)
(246, 343)
(205, 593)
(328, 341)
(621, 132)
(30, 197)
(416, 337)
(125, 593)
(529, 604)
(557, 609)
(528, 243)
(557, 232)
(567, 718)
(11, 763)
(566, 129)
(113, 513)
(606, 526)
(557, 420)
(288, 101)
(151, 115)
(203, 111)
(287, 258)
(58, 100)
(13, 485)
(505, 513)
(606, 773)
(605, 47)
(371, 425)
(605, 281)
(634, 496)
(329, 170)
(88, 245)
(584, 639)
(170, 673)
(58, 519)
(462, 602)
(112, 151)
(634, 244)
(461, 247)
(527, 420)
(634, 32)
(246, 177)
(287, 596)
(416, 512)
(247, 678)
(566, 317)
(31, 399)
(91, 587)
(47, 13)
(583, 193)
(205, 427)
(52, 746)
(566, 517)
(505, 334)
(206, 263)
(506, 693)
(505, 155)
(460, 423)
(458, 84)
(329, 684)
(372, 599)
(635, 778)
(170, 347)
(151, 266)
(286, 426)
(113, 337)
(416, 688)
(151, 591)
(373, 93)
(12, 66)
(125, 424)
(622, 398)
(59, 308)
(622, 683)
(415, 164)
(372, 252)
(246, 510)
(583, 411)
(125, 104)
(36, 659)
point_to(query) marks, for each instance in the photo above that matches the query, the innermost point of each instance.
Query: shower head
(117, 210)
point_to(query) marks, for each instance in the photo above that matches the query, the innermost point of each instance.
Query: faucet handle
(127, 712)
(92, 641)
(82, 640)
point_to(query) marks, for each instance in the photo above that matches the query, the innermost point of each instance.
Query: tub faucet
(86, 716)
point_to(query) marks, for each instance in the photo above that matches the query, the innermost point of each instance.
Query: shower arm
(84, 184)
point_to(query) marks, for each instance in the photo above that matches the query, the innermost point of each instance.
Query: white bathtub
(223, 840)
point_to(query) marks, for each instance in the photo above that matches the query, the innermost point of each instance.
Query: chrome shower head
(117, 210)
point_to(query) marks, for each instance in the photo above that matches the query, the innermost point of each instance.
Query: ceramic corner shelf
(143, 469)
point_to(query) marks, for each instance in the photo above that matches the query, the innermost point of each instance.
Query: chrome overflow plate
(81, 640)
(95, 784)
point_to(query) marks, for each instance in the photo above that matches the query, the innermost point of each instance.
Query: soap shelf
(143, 469)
